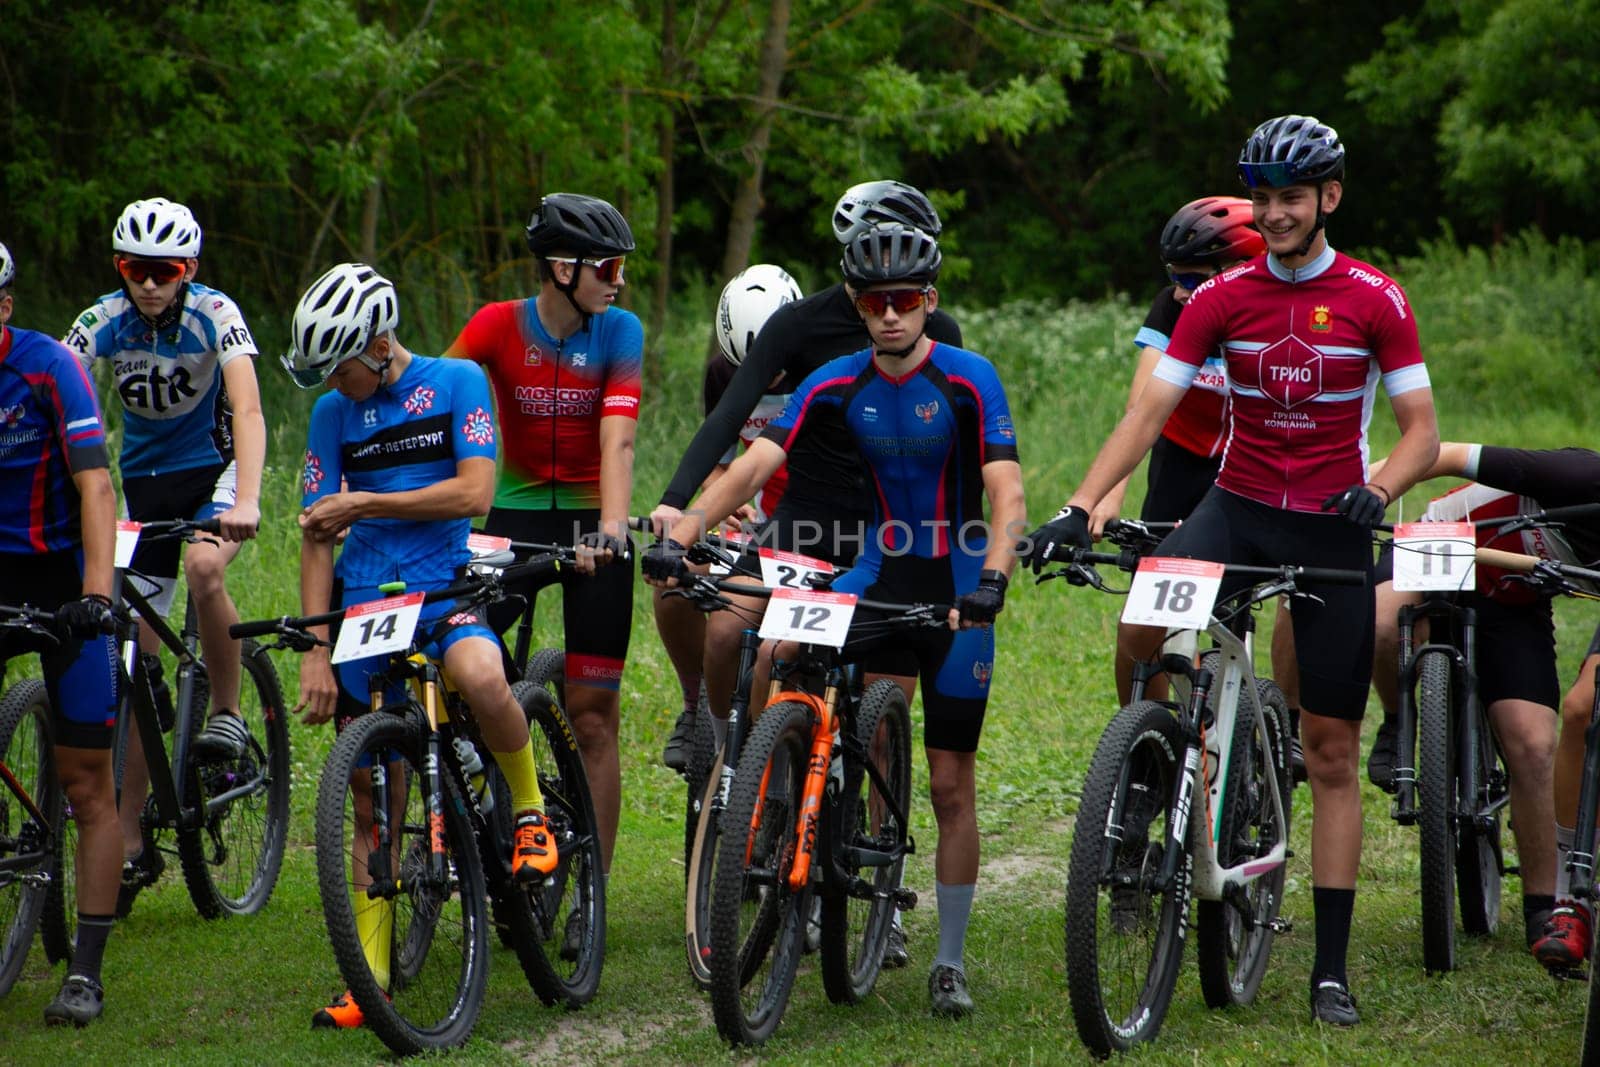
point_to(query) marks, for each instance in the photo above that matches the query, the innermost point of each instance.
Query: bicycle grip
(1508, 561)
(257, 628)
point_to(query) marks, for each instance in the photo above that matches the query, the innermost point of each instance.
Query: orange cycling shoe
(533, 852)
(343, 1014)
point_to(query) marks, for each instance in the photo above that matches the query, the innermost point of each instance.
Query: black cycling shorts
(596, 610)
(197, 493)
(1332, 635)
(1178, 481)
(817, 529)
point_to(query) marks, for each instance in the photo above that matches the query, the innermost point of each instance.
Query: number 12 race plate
(808, 615)
(1175, 593)
(378, 627)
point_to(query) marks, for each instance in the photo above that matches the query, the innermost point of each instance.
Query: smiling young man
(565, 366)
(193, 444)
(935, 436)
(1308, 334)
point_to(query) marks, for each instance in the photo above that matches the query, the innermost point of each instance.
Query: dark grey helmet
(584, 226)
(891, 252)
(863, 206)
(1291, 150)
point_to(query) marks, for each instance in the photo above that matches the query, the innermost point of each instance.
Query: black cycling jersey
(824, 465)
(1556, 478)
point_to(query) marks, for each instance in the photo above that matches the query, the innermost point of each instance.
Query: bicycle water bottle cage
(392, 588)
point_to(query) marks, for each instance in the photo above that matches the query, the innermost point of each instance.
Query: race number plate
(127, 541)
(1175, 593)
(789, 570)
(734, 543)
(1434, 556)
(487, 545)
(378, 627)
(808, 615)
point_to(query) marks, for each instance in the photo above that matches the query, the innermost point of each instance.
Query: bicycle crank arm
(904, 899)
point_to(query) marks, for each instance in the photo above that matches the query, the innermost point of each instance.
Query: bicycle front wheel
(231, 861)
(558, 927)
(757, 922)
(866, 843)
(1234, 937)
(1436, 822)
(1124, 928)
(410, 938)
(25, 748)
(1478, 859)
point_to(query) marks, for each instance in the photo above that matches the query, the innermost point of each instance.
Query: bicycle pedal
(1280, 925)
(905, 899)
(1568, 974)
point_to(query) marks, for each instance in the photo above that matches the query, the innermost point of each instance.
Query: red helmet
(1212, 230)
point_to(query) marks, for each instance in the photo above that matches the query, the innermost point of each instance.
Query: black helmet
(1291, 150)
(891, 252)
(582, 225)
(1213, 229)
(869, 203)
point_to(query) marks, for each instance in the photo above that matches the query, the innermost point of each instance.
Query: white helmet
(747, 302)
(336, 320)
(158, 228)
(8, 267)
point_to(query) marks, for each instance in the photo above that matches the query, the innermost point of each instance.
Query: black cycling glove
(1359, 504)
(1069, 529)
(664, 561)
(985, 602)
(87, 617)
(621, 548)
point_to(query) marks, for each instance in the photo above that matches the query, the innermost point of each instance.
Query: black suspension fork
(738, 713)
(1581, 860)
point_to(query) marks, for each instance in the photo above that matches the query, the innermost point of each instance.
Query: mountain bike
(819, 804)
(1136, 858)
(31, 800)
(413, 840)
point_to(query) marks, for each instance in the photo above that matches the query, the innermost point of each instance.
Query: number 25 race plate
(378, 627)
(1175, 593)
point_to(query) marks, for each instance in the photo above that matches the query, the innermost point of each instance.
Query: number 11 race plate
(808, 615)
(1432, 556)
(377, 627)
(1175, 593)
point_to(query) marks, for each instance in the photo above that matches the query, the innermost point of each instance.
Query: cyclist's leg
(683, 629)
(1565, 940)
(1386, 667)
(205, 563)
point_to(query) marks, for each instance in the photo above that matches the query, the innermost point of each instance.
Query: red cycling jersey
(1305, 350)
(551, 395)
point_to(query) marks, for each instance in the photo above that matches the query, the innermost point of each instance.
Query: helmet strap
(168, 317)
(1316, 227)
(901, 353)
(569, 289)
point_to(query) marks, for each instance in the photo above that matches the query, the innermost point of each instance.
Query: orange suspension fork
(805, 829)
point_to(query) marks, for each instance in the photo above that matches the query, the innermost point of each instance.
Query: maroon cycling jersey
(1305, 350)
(1199, 424)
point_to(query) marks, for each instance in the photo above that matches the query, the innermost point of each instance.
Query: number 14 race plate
(1175, 593)
(378, 627)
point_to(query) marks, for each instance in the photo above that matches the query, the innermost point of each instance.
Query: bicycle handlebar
(1516, 561)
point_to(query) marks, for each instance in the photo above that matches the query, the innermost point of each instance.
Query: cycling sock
(522, 776)
(719, 732)
(91, 948)
(690, 683)
(955, 910)
(375, 927)
(1334, 909)
(1564, 838)
(1536, 909)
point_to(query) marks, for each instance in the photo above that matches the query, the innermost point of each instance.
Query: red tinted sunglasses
(878, 302)
(608, 270)
(161, 271)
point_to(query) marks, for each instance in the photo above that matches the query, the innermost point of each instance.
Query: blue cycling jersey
(170, 380)
(925, 438)
(408, 435)
(49, 428)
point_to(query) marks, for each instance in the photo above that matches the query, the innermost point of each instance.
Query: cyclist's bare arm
(319, 692)
(469, 493)
(1129, 442)
(745, 475)
(240, 522)
(98, 519)
(617, 434)
(1418, 449)
(1110, 506)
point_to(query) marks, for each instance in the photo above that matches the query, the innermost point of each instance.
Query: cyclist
(57, 533)
(827, 507)
(935, 436)
(1308, 333)
(193, 444)
(1201, 239)
(565, 368)
(1516, 666)
(747, 301)
(400, 455)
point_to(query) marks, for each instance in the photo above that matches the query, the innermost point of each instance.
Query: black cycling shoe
(224, 739)
(1385, 750)
(676, 753)
(141, 871)
(80, 1002)
(572, 937)
(894, 952)
(1332, 1003)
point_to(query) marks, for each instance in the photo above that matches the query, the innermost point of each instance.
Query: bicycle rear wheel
(702, 752)
(757, 921)
(1124, 932)
(1591, 1016)
(1232, 942)
(231, 862)
(558, 927)
(1478, 859)
(868, 845)
(1436, 821)
(417, 959)
(700, 879)
(26, 750)
(58, 919)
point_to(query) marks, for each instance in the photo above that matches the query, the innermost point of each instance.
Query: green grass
(1506, 344)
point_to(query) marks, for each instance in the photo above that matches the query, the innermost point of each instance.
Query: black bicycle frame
(1581, 860)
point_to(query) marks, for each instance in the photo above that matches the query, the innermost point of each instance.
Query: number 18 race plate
(1175, 593)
